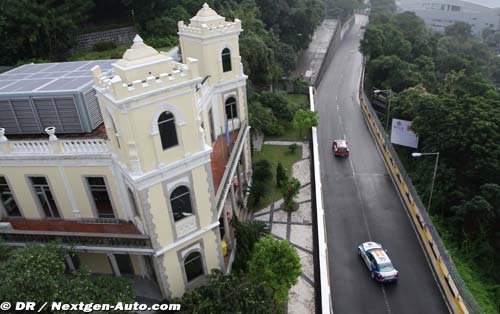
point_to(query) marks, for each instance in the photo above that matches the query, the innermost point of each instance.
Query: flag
(228, 141)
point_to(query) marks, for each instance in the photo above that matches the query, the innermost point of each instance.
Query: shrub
(275, 264)
(290, 191)
(293, 148)
(281, 175)
(161, 42)
(257, 190)
(247, 234)
(262, 170)
(104, 45)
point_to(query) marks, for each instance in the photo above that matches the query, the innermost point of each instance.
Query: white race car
(377, 261)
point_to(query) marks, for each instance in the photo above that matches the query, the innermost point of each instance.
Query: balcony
(82, 236)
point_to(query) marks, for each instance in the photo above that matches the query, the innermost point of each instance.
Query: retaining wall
(120, 36)
(332, 48)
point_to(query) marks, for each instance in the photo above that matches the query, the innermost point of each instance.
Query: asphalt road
(362, 204)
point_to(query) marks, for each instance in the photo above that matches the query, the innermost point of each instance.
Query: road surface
(362, 204)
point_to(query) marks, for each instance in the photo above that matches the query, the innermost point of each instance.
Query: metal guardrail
(233, 161)
(324, 275)
(458, 295)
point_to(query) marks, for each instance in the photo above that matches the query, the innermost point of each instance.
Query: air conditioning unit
(4, 226)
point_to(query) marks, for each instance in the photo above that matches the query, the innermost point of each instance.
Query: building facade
(438, 14)
(150, 193)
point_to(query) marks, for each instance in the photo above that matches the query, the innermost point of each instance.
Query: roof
(50, 77)
(341, 143)
(377, 251)
(492, 4)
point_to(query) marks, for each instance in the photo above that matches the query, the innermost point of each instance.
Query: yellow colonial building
(135, 164)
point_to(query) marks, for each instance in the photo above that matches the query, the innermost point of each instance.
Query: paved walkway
(297, 228)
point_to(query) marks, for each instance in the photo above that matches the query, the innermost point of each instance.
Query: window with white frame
(7, 198)
(226, 60)
(100, 197)
(180, 201)
(231, 112)
(167, 130)
(45, 197)
(193, 266)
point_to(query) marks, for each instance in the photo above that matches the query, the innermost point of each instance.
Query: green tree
(275, 264)
(37, 274)
(305, 119)
(247, 234)
(290, 190)
(227, 294)
(39, 29)
(281, 175)
(262, 170)
(459, 30)
(262, 119)
(257, 191)
(278, 102)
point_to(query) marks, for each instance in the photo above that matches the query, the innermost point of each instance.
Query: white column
(114, 265)
(142, 266)
(69, 261)
(67, 187)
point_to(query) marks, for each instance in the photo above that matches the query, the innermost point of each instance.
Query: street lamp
(389, 93)
(416, 155)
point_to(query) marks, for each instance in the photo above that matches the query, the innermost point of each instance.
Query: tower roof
(139, 53)
(206, 15)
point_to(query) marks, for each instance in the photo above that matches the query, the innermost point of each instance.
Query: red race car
(340, 148)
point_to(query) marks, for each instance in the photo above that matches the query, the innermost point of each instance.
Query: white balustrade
(31, 147)
(41, 147)
(84, 146)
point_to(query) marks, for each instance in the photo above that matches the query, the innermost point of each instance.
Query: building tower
(179, 137)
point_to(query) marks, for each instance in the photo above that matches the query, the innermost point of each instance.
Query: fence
(455, 291)
(324, 276)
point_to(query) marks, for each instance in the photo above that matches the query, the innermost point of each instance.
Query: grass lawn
(275, 153)
(300, 100)
(115, 53)
(291, 134)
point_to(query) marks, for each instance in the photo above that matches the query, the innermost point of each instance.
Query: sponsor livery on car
(340, 148)
(378, 262)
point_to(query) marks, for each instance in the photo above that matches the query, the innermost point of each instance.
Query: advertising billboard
(402, 134)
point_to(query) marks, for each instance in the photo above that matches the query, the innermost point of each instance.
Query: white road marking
(338, 108)
(387, 306)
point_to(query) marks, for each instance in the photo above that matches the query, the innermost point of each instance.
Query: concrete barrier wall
(324, 275)
(452, 286)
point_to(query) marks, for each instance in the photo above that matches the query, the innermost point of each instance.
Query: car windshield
(386, 267)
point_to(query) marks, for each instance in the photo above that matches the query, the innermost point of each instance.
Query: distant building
(148, 193)
(438, 14)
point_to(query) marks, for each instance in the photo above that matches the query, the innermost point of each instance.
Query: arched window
(231, 111)
(226, 60)
(166, 127)
(180, 200)
(193, 266)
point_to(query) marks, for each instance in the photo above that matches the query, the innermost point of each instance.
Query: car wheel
(359, 252)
